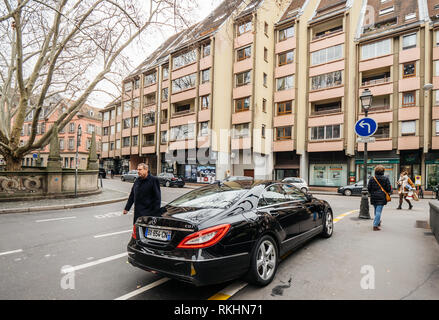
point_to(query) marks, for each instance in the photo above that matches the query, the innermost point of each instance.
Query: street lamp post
(366, 102)
(78, 142)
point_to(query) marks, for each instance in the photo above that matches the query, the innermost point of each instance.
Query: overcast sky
(139, 50)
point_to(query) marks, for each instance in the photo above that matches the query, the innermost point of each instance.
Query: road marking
(112, 234)
(341, 216)
(11, 252)
(143, 289)
(57, 219)
(94, 263)
(229, 291)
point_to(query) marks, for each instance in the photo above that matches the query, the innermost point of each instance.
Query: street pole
(78, 137)
(366, 102)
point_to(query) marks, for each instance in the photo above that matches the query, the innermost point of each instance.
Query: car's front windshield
(221, 197)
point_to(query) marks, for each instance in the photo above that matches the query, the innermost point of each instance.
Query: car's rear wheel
(167, 184)
(304, 190)
(122, 178)
(328, 225)
(264, 262)
(347, 192)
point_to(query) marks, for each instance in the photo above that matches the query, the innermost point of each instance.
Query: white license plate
(156, 234)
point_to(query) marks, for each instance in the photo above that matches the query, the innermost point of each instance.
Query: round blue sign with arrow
(366, 127)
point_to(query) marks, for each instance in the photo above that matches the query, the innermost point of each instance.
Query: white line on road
(111, 234)
(10, 252)
(94, 263)
(143, 289)
(57, 219)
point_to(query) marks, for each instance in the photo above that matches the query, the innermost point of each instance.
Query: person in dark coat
(145, 194)
(377, 196)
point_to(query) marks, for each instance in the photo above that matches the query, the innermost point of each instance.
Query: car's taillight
(173, 179)
(134, 235)
(204, 238)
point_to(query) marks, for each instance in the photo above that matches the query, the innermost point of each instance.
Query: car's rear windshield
(219, 196)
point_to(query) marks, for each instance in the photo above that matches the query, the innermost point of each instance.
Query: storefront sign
(418, 180)
(377, 161)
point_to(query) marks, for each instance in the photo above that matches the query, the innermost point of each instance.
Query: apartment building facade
(271, 89)
(88, 118)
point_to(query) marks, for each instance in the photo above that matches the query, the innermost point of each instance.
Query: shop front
(431, 170)
(197, 167)
(389, 160)
(286, 164)
(328, 169)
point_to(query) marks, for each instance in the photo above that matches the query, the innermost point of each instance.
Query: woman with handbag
(405, 186)
(379, 188)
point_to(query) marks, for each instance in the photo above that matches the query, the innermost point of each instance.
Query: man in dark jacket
(145, 194)
(378, 199)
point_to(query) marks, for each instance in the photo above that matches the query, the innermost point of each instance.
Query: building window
(327, 80)
(206, 49)
(165, 94)
(112, 130)
(135, 122)
(328, 32)
(136, 103)
(111, 146)
(148, 139)
(264, 105)
(127, 123)
(409, 98)
(119, 111)
(408, 128)
(386, 11)
(205, 76)
(242, 104)
(409, 41)
(205, 102)
(283, 133)
(136, 84)
(118, 126)
(126, 142)
(326, 108)
(266, 28)
(61, 144)
(409, 70)
(71, 128)
(127, 106)
(106, 131)
(286, 33)
(184, 59)
(243, 27)
(183, 132)
(437, 127)
(244, 53)
(265, 79)
(266, 54)
(243, 78)
(105, 146)
(285, 83)
(325, 132)
(284, 108)
(204, 128)
(383, 131)
(410, 16)
(263, 131)
(118, 144)
(88, 144)
(376, 49)
(241, 130)
(183, 83)
(436, 97)
(165, 72)
(149, 119)
(71, 143)
(150, 99)
(327, 55)
(286, 58)
(107, 116)
(184, 108)
(164, 137)
(128, 86)
(135, 141)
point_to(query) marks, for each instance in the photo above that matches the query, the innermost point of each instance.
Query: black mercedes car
(224, 231)
(169, 180)
(352, 189)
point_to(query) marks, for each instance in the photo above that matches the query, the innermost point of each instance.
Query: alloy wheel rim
(329, 225)
(266, 260)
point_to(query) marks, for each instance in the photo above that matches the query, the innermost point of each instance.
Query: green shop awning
(378, 161)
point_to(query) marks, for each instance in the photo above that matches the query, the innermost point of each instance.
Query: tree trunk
(12, 163)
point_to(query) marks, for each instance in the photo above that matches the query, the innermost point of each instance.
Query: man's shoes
(376, 229)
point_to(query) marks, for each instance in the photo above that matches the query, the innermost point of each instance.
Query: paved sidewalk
(107, 196)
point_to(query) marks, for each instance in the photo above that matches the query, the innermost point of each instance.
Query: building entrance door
(249, 173)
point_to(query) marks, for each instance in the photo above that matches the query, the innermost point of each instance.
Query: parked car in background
(352, 189)
(169, 180)
(102, 173)
(297, 182)
(130, 176)
(221, 232)
(237, 178)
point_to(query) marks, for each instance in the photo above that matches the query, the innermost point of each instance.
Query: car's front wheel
(304, 190)
(264, 262)
(328, 226)
(347, 192)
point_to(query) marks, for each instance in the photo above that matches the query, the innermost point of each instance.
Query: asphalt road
(38, 251)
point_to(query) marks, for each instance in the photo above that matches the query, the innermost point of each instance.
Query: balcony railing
(324, 112)
(328, 33)
(179, 113)
(375, 81)
(378, 108)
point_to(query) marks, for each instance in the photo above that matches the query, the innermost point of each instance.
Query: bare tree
(68, 47)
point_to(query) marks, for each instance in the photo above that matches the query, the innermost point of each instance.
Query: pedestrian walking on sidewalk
(380, 189)
(405, 185)
(145, 194)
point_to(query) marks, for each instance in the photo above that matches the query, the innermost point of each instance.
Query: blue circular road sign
(366, 127)
(35, 155)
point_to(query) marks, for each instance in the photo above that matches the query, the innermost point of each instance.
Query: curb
(60, 207)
